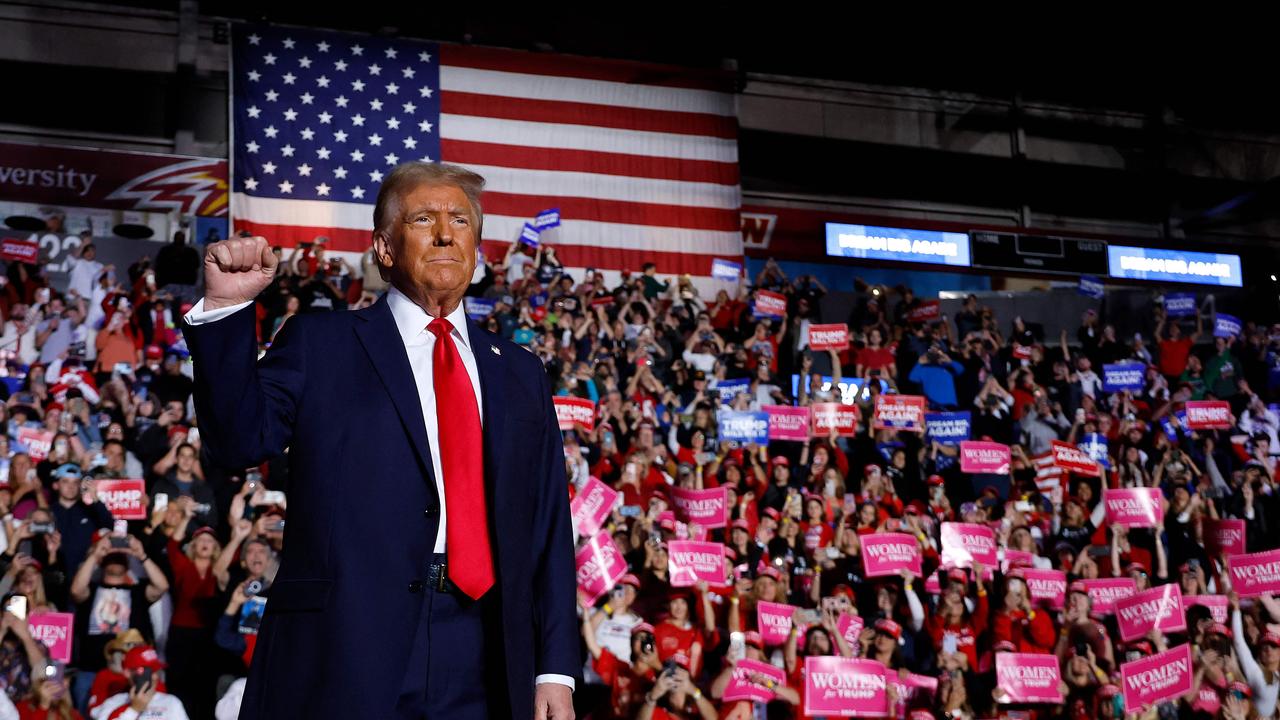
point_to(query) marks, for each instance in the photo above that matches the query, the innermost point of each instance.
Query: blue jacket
(344, 633)
(938, 382)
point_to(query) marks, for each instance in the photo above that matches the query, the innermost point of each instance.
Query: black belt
(438, 576)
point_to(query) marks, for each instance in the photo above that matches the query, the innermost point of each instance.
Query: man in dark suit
(428, 565)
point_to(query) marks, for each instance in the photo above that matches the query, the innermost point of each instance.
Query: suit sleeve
(246, 406)
(555, 577)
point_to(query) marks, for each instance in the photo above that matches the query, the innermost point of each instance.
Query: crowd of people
(162, 610)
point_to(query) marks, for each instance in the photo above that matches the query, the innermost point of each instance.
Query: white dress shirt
(419, 343)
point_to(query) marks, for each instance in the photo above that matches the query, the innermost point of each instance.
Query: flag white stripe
(560, 183)
(597, 92)
(354, 216)
(623, 237)
(586, 137)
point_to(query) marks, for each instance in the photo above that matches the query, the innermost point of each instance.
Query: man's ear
(382, 250)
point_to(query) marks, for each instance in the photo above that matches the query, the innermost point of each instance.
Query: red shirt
(1173, 355)
(105, 684)
(626, 688)
(29, 710)
(966, 633)
(672, 638)
(875, 359)
(189, 587)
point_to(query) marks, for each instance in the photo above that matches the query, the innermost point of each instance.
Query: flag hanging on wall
(640, 161)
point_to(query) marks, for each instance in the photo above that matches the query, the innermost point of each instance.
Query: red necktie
(462, 459)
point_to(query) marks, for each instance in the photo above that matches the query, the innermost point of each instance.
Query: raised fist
(236, 270)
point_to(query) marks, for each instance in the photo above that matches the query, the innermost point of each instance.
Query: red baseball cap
(1004, 646)
(1240, 687)
(779, 460)
(629, 579)
(741, 523)
(142, 656)
(937, 480)
(870, 468)
(155, 352)
(1078, 587)
(772, 513)
(890, 628)
(770, 572)
(642, 627)
(1271, 638)
(958, 575)
(843, 589)
(1219, 629)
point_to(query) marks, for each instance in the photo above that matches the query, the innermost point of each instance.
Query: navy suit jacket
(344, 633)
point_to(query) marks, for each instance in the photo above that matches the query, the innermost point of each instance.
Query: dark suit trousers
(466, 674)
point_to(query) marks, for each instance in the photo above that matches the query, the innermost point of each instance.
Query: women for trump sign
(1028, 678)
(1163, 676)
(1134, 507)
(979, 456)
(886, 554)
(844, 687)
(774, 621)
(966, 543)
(704, 507)
(600, 566)
(1255, 574)
(591, 507)
(691, 561)
(1159, 608)
(787, 423)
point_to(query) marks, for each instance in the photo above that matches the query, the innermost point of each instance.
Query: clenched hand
(236, 270)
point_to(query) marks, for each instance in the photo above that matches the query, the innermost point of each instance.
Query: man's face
(68, 487)
(90, 252)
(432, 245)
(186, 459)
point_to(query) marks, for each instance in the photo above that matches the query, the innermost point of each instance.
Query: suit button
(431, 511)
(415, 586)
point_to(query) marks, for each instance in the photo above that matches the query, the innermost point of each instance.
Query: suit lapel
(493, 387)
(381, 340)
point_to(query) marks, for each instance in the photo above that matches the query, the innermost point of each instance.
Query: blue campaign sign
(478, 308)
(1137, 263)
(1227, 326)
(1119, 377)
(529, 235)
(948, 427)
(1091, 287)
(744, 426)
(1095, 446)
(728, 389)
(870, 242)
(725, 270)
(548, 218)
(1180, 304)
(1170, 431)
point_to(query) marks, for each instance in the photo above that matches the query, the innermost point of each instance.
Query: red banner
(1073, 459)
(1209, 415)
(844, 418)
(926, 311)
(27, 251)
(126, 499)
(900, 412)
(829, 337)
(572, 411)
(113, 179)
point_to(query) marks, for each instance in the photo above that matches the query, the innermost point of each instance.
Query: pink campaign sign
(691, 561)
(886, 554)
(1217, 605)
(1255, 574)
(965, 543)
(704, 507)
(1159, 608)
(774, 621)
(979, 456)
(54, 630)
(1047, 586)
(787, 423)
(844, 687)
(741, 687)
(1224, 537)
(850, 627)
(600, 566)
(1162, 676)
(911, 691)
(1134, 507)
(591, 507)
(1028, 678)
(1104, 592)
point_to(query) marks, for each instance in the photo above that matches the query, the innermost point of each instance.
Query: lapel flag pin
(495, 349)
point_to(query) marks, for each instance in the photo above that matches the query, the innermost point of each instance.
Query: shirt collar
(412, 320)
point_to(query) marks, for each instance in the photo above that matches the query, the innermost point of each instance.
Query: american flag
(641, 161)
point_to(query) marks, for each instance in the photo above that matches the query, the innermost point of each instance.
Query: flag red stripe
(615, 259)
(586, 68)
(589, 161)
(343, 239)
(613, 211)
(574, 113)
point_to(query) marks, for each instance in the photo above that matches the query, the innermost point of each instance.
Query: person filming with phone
(146, 697)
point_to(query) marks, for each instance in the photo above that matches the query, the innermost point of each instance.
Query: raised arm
(255, 422)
